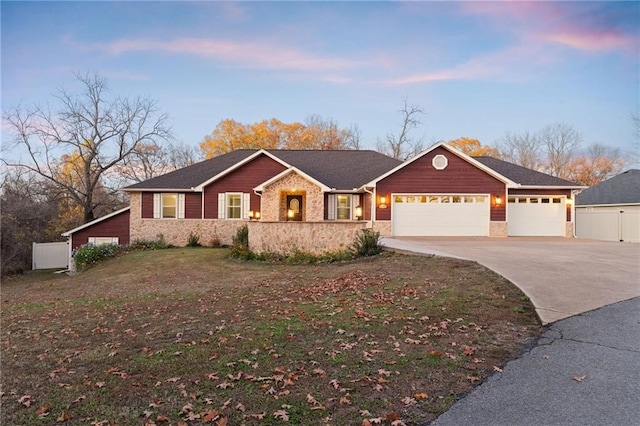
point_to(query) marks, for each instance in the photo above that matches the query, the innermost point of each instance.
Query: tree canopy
(315, 133)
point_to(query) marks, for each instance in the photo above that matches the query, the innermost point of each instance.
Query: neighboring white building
(610, 210)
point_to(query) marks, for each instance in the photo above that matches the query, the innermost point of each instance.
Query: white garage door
(440, 215)
(536, 216)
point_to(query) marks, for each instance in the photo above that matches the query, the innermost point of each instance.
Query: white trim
(292, 169)
(465, 157)
(93, 222)
(226, 202)
(160, 189)
(331, 206)
(550, 187)
(246, 205)
(180, 206)
(157, 205)
(222, 205)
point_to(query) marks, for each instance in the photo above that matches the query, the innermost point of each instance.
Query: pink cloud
(592, 42)
(249, 54)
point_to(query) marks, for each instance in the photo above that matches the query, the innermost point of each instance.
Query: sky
(476, 69)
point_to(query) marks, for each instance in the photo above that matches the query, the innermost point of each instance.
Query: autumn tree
(599, 163)
(402, 145)
(474, 148)
(96, 133)
(27, 210)
(315, 133)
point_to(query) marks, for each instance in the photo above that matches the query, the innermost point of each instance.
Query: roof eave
(161, 189)
(552, 187)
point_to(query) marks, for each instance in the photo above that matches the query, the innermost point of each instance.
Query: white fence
(620, 223)
(50, 255)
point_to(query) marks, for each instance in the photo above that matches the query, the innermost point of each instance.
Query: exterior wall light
(569, 201)
(383, 202)
(498, 200)
(251, 214)
(358, 212)
(290, 214)
(256, 215)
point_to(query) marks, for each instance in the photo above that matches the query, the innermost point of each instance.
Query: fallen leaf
(408, 401)
(281, 414)
(44, 410)
(579, 378)
(63, 417)
(209, 416)
(25, 400)
(421, 395)
(498, 369)
(468, 350)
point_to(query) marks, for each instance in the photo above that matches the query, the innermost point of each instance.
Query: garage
(536, 216)
(440, 215)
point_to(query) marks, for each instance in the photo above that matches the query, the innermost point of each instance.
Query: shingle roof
(523, 175)
(339, 169)
(195, 174)
(342, 170)
(621, 189)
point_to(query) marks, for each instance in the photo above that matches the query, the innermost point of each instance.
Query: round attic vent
(440, 162)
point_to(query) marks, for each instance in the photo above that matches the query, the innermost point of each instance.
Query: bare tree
(352, 140)
(523, 149)
(403, 146)
(75, 146)
(149, 160)
(560, 142)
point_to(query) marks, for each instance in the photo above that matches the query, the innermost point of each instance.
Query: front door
(294, 207)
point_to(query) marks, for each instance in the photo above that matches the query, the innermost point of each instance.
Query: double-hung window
(168, 206)
(342, 206)
(233, 205)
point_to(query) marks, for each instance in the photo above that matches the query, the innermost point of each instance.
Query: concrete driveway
(562, 277)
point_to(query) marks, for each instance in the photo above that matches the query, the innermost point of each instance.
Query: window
(233, 205)
(343, 206)
(168, 206)
(343, 211)
(98, 241)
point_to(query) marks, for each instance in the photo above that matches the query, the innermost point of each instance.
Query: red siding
(115, 226)
(243, 179)
(193, 205)
(459, 177)
(560, 192)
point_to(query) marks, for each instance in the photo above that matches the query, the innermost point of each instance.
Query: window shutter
(221, 205)
(246, 205)
(355, 202)
(332, 207)
(180, 206)
(157, 206)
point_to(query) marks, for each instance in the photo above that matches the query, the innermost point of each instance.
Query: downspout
(259, 195)
(574, 193)
(373, 205)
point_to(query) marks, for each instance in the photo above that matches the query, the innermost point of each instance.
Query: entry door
(294, 207)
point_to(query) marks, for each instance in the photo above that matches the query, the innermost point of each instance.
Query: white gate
(50, 255)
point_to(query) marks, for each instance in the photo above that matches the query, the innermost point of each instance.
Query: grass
(187, 335)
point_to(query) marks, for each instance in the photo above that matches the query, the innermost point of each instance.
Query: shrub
(143, 245)
(240, 246)
(193, 240)
(90, 254)
(367, 244)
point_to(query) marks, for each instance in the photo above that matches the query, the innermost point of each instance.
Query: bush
(367, 244)
(193, 240)
(143, 245)
(240, 246)
(90, 254)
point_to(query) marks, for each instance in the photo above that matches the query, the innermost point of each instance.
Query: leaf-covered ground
(187, 336)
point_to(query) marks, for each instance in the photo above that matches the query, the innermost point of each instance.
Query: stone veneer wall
(569, 230)
(273, 208)
(497, 229)
(382, 226)
(177, 231)
(308, 237)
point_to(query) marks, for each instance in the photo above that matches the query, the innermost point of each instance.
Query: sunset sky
(477, 69)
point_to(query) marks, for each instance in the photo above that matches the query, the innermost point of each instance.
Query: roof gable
(621, 189)
(93, 222)
(288, 171)
(454, 151)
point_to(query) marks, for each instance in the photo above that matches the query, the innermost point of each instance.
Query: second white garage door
(440, 215)
(536, 216)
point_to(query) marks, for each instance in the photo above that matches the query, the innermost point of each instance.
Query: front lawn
(187, 335)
